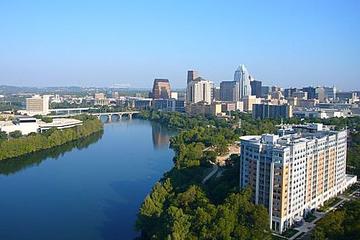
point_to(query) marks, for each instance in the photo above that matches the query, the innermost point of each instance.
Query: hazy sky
(100, 43)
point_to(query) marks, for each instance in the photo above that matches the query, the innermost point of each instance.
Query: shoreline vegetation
(37, 142)
(9, 166)
(180, 206)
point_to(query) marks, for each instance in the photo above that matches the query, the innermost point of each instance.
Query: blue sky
(100, 43)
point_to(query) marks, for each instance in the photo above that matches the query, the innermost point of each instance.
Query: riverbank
(11, 166)
(96, 184)
(14, 148)
(184, 206)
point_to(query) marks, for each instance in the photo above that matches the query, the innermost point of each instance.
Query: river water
(90, 189)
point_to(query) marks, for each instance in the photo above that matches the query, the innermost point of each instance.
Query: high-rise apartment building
(215, 91)
(229, 91)
(330, 93)
(295, 171)
(199, 90)
(326, 93)
(263, 111)
(256, 88)
(249, 101)
(288, 92)
(300, 95)
(37, 105)
(99, 96)
(311, 92)
(320, 94)
(265, 91)
(161, 89)
(192, 75)
(243, 77)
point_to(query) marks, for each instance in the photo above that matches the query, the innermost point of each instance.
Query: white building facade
(25, 125)
(295, 171)
(37, 105)
(199, 90)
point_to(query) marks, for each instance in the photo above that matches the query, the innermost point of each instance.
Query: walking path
(213, 171)
(309, 226)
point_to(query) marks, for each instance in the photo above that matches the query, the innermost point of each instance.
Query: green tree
(15, 134)
(3, 136)
(178, 224)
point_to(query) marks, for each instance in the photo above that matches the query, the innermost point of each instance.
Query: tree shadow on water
(14, 165)
(121, 215)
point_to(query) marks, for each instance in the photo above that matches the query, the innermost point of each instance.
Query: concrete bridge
(109, 115)
(69, 111)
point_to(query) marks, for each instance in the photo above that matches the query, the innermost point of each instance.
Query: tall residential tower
(198, 89)
(295, 171)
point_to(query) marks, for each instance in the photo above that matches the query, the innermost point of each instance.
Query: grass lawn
(351, 189)
(329, 203)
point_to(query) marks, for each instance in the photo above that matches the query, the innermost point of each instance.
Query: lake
(89, 189)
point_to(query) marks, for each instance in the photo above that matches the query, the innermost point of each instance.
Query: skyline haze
(89, 43)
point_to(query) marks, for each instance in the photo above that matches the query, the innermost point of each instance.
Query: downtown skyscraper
(198, 89)
(243, 77)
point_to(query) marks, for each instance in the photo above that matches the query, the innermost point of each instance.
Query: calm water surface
(85, 190)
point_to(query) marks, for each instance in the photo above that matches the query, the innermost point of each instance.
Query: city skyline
(93, 44)
(180, 119)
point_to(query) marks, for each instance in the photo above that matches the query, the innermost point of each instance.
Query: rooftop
(290, 134)
(60, 122)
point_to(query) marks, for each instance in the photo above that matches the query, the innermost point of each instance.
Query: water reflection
(161, 136)
(91, 194)
(12, 166)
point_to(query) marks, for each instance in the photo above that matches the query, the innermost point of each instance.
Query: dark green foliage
(180, 207)
(3, 136)
(219, 188)
(196, 134)
(167, 214)
(51, 138)
(47, 119)
(190, 210)
(353, 160)
(181, 120)
(10, 166)
(44, 118)
(15, 134)
(341, 224)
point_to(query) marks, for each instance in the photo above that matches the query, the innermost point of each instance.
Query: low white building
(59, 123)
(25, 125)
(322, 113)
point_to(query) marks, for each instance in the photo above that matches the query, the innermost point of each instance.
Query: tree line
(180, 206)
(34, 142)
(168, 214)
(341, 224)
(9, 166)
